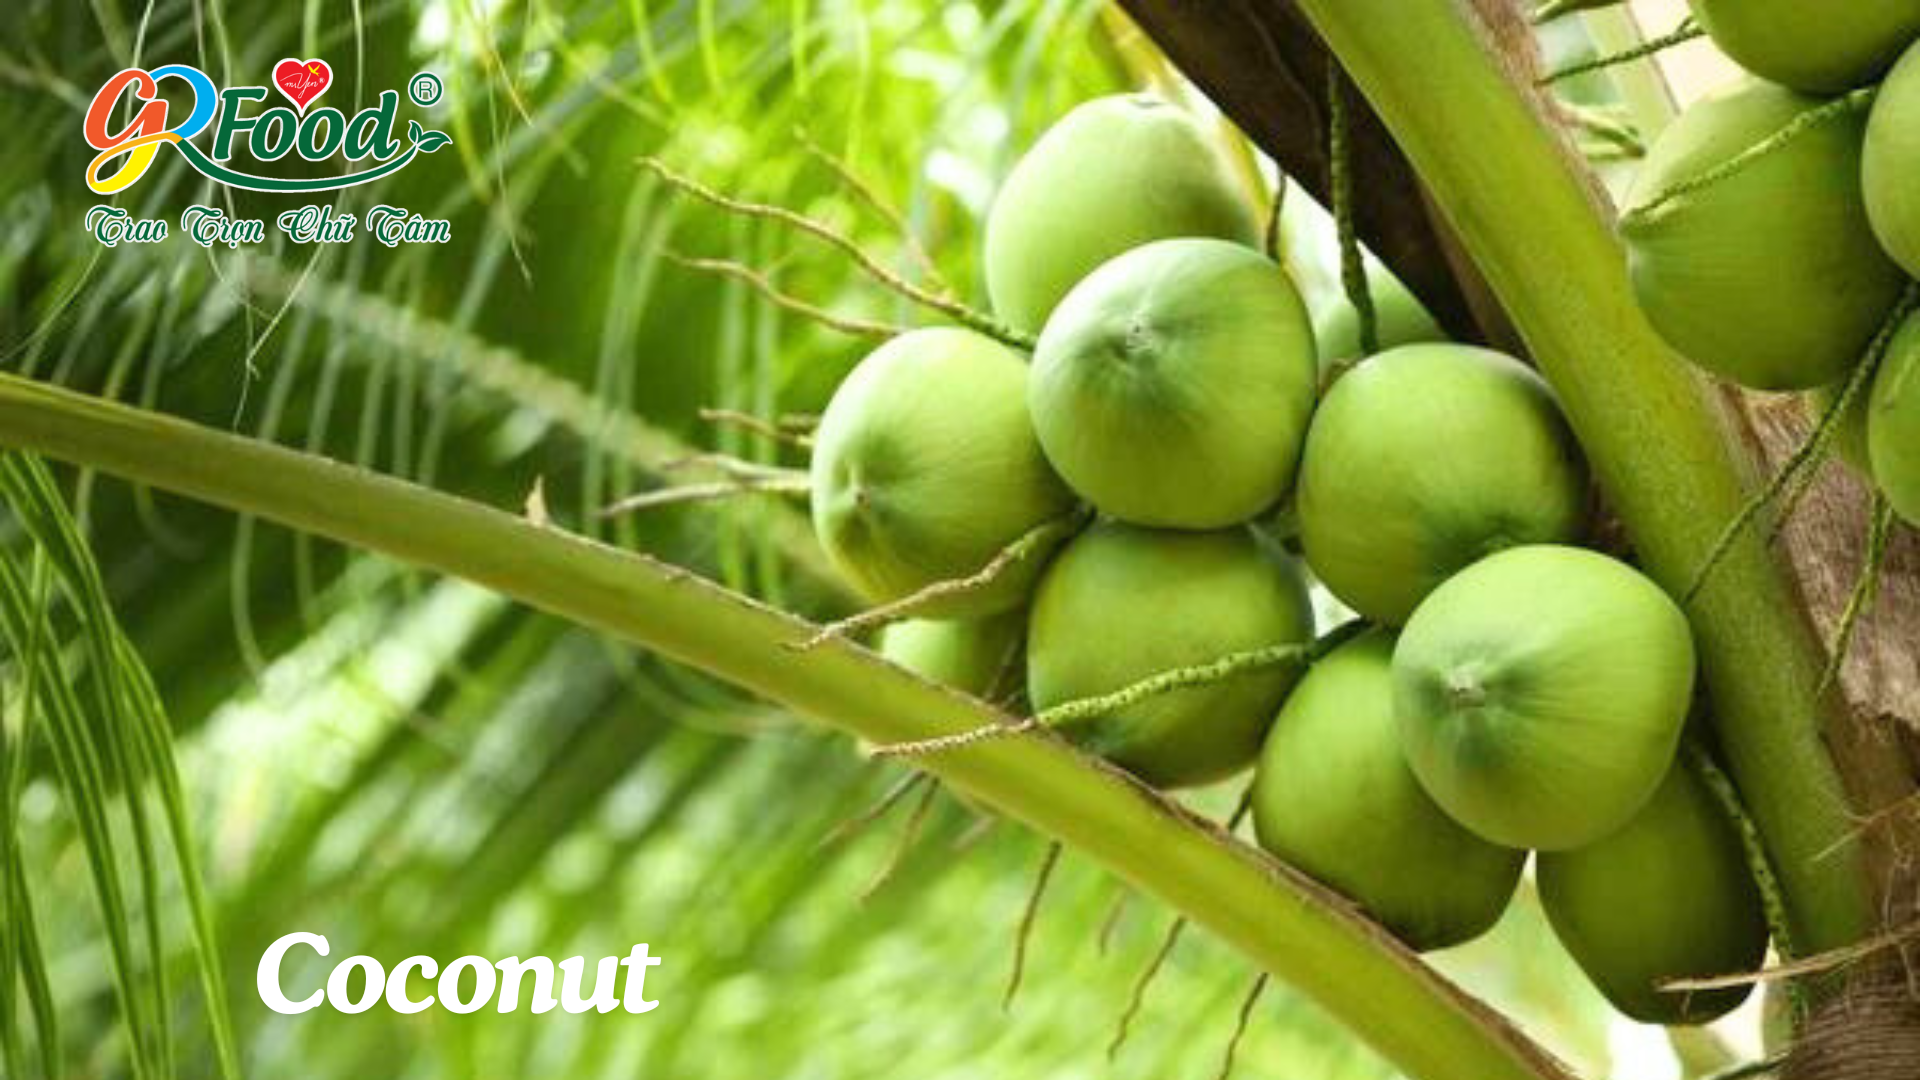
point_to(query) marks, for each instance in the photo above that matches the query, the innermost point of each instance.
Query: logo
(302, 80)
(270, 134)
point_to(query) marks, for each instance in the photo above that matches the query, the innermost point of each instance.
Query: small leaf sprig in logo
(270, 135)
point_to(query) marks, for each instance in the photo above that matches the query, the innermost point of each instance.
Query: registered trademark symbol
(424, 88)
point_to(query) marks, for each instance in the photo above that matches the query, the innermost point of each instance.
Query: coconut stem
(792, 430)
(1687, 31)
(1240, 1024)
(1008, 689)
(1139, 995)
(865, 193)
(730, 467)
(1276, 223)
(1000, 728)
(1155, 685)
(909, 833)
(1206, 674)
(762, 284)
(1124, 1026)
(1028, 916)
(1240, 810)
(934, 301)
(1759, 865)
(1166, 682)
(1111, 924)
(888, 799)
(1353, 268)
(1553, 9)
(1842, 106)
(1610, 132)
(713, 492)
(1795, 475)
(1831, 961)
(1030, 543)
(1865, 589)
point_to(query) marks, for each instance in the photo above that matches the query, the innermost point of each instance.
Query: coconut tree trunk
(1456, 84)
(1871, 1031)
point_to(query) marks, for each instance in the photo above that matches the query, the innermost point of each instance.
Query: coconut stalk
(1660, 438)
(1676, 457)
(1279, 919)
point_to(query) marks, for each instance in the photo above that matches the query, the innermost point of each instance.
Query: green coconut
(1399, 319)
(925, 467)
(1668, 896)
(1121, 603)
(1770, 276)
(975, 656)
(1172, 387)
(1424, 459)
(1114, 173)
(1819, 46)
(1890, 164)
(1541, 692)
(1333, 796)
(1893, 422)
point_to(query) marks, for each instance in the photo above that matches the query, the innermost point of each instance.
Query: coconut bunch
(1162, 412)
(1119, 533)
(1774, 231)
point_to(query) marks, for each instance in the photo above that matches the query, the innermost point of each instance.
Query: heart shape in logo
(302, 80)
